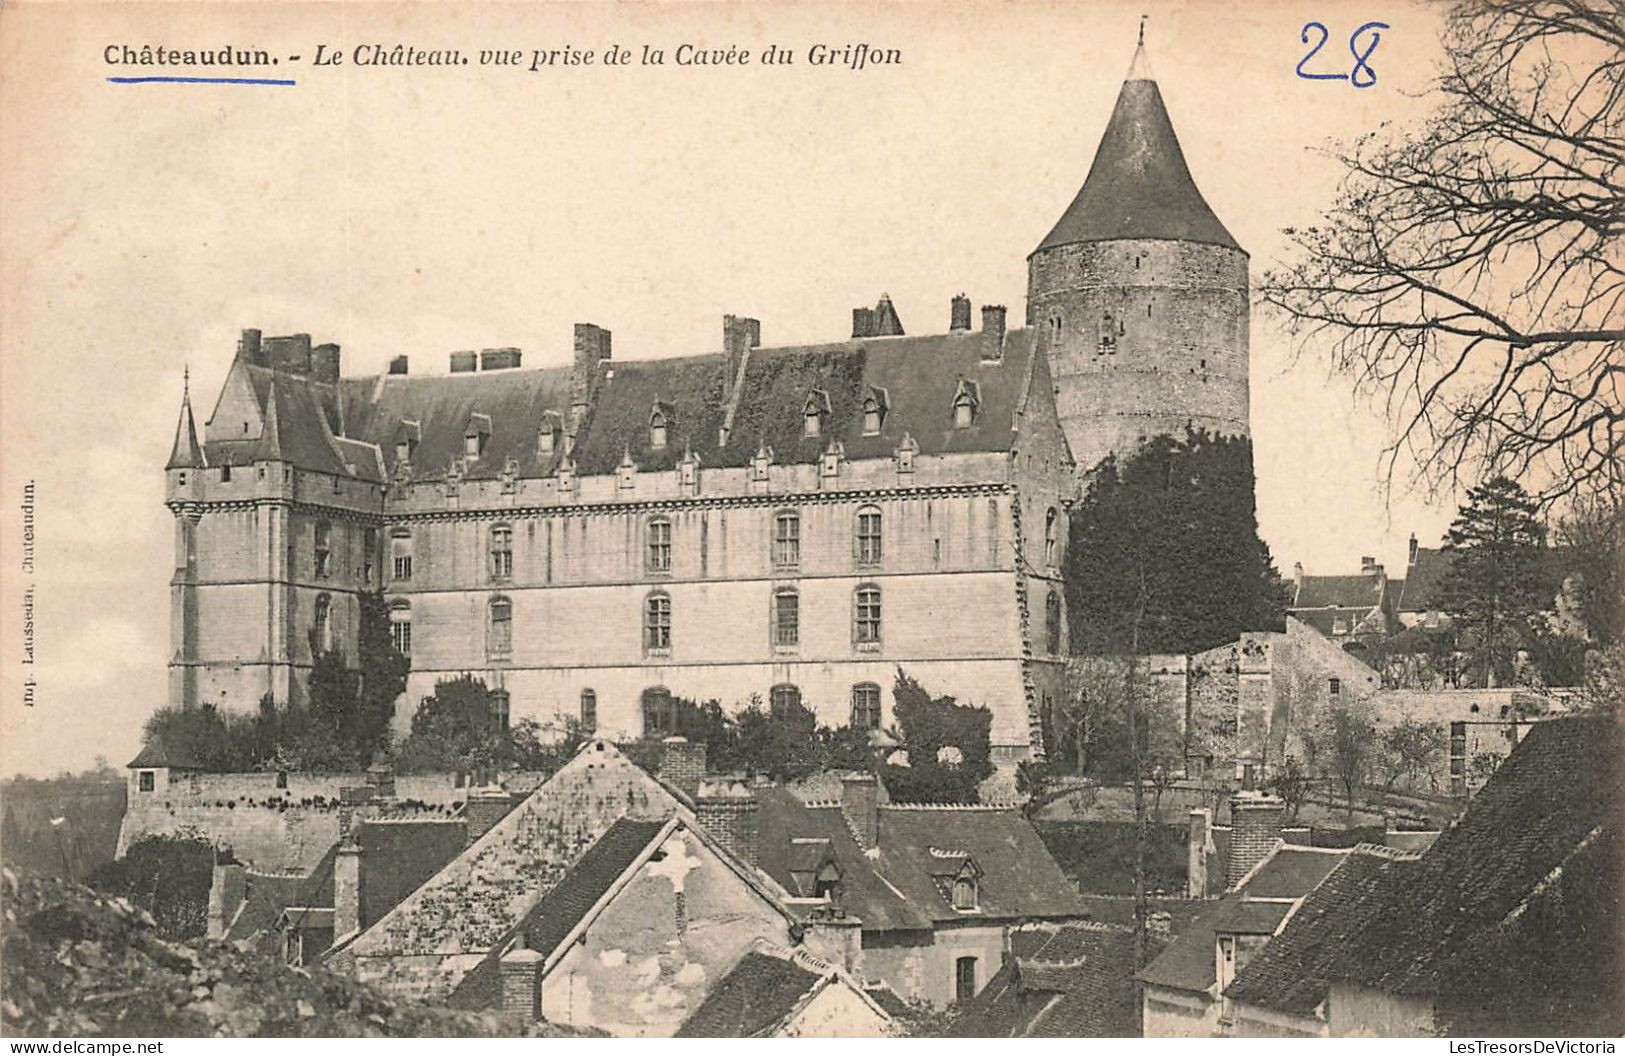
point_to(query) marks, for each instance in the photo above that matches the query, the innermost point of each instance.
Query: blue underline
(197, 80)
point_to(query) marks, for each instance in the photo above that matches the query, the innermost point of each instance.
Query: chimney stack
(381, 776)
(521, 972)
(1412, 556)
(464, 362)
(486, 806)
(248, 347)
(728, 811)
(347, 886)
(959, 313)
(832, 935)
(324, 363)
(1198, 848)
(592, 346)
(397, 365)
(352, 801)
(290, 354)
(992, 333)
(739, 336)
(682, 764)
(863, 322)
(860, 805)
(1255, 829)
(500, 358)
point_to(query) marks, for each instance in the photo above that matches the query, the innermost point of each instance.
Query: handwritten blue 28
(1362, 75)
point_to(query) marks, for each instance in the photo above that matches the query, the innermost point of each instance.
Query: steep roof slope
(1019, 876)
(1139, 185)
(1066, 981)
(752, 1000)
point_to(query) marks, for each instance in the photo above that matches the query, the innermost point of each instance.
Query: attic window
(874, 411)
(657, 430)
(225, 473)
(965, 402)
(547, 437)
(965, 893)
(473, 445)
(475, 436)
(814, 412)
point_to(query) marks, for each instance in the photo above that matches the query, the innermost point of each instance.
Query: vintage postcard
(858, 520)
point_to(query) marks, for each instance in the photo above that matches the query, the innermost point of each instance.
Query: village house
(1059, 981)
(774, 992)
(1351, 608)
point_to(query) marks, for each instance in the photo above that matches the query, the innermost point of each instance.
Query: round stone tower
(1140, 293)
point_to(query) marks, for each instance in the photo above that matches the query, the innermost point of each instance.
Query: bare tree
(1467, 274)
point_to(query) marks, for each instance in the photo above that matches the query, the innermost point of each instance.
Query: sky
(423, 210)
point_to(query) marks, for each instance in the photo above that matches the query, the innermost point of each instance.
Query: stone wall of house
(677, 927)
(1168, 1013)
(1176, 316)
(924, 970)
(837, 1011)
(1354, 1011)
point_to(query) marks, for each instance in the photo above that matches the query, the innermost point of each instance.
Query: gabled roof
(562, 908)
(1069, 980)
(1423, 579)
(1343, 592)
(1558, 794)
(482, 897)
(1292, 871)
(1289, 973)
(267, 896)
(1139, 185)
(765, 990)
(1019, 877)
(398, 856)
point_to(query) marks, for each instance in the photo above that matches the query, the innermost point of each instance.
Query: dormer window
(827, 884)
(966, 400)
(406, 441)
(659, 420)
(476, 435)
(472, 445)
(965, 893)
(874, 411)
(814, 412)
(547, 437)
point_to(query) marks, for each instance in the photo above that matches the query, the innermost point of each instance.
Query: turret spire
(186, 453)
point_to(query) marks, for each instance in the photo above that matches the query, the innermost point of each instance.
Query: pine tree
(1496, 585)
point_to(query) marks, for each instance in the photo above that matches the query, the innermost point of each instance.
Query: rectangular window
(964, 979)
(786, 618)
(866, 616)
(657, 623)
(324, 549)
(659, 550)
(866, 706)
(589, 711)
(500, 642)
(400, 635)
(502, 553)
(403, 566)
(787, 539)
(146, 780)
(869, 537)
(1334, 687)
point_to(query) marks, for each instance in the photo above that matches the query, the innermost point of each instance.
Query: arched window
(400, 545)
(1052, 536)
(966, 399)
(499, 637)
(324, 549)
(659, 712)
(866, 615)
(400, 627)
(501, 552)
(657, 623)
(1052, 622)
(589, 711)
(786, 617)
(657, 547)
(866, 706)
(812, 422)
(321, 632)
(783, 699)
(873, 414)
(786, 539)
(657, 430)
(868, 535)
(1055, 326)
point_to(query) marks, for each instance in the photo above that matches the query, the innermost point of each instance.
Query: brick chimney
(992, 333)
(347, 887)
(464, 362)
(521, 971)
(398, 365)
(682, 764)
(728, 811)
(290, 353)
(863, 322)
(500, 358)
(324, 363)
(860, 805)
(739, 336)
(353, 802)
(248, 347)
(1255, 829)
(1198, 849)
(959, 313)
(381, 778)
(835, 936)
(592, 346)
(486, 806)
(1411, 559)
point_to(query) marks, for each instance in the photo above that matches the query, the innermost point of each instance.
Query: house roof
(1342, 592)
(1139, 185)
(1558, 793)
(1069, 980)
(766, 988)
(156, 754)
(561, 909)
(1423, 579)
(482, 896)
(1019, 877)
(268, 895)
(397, 857)
(1289, 973)
(1188, 964)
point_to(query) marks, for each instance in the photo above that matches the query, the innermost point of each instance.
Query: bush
(169, 877)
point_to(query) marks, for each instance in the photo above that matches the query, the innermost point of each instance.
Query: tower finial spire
(1142, 29)
(186, 381)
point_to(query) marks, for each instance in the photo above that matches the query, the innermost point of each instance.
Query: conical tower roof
(1139, 185)
(186, 453)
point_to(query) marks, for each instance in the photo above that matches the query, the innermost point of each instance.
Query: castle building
(598, 538)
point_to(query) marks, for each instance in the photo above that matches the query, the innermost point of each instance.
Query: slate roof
(765, 988)
(1065, 981)
(1558, 793)
(1343, 592)
(1187, 964)
(481, 898)
(1423, 579)
(155, 754)
(1290, 973)
(562, 908)
(269, 895)
(397, 857)
(1139, 185)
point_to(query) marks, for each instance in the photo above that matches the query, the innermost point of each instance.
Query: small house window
(324, 548)
(812, 423)
(501, 552)
(786, 538)
(827, 884)
(868, 535)
(784, 699)
(546, 439)
(472, 442)
(499, 640)
(657, 623)
(400, 628)
(964, 411)
(866, 616)
(866, 706)
(1055, 326)
(964, 979)
(1108, 334)
(369, 554)
(589, 711)
(146, 780)
(658, 548)
(873, 415)
(500, 706)
(786, 618)
(659, 712)
(965, 893)
(403, 451)
(1334, 687)
(225, 473)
